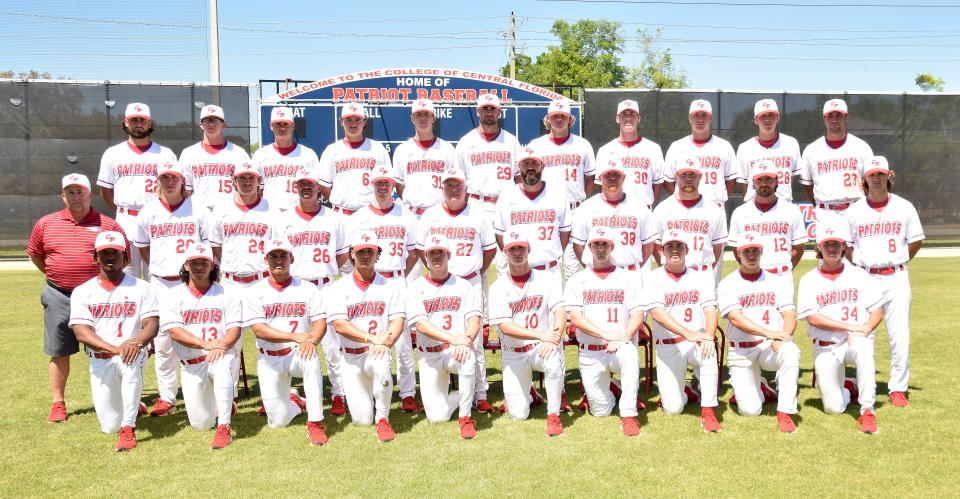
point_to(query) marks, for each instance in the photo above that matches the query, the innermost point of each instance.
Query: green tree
(928, 82)
(33, 74)
(657, 70)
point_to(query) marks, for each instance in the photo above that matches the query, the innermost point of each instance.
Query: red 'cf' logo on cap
(201, 250)
(109, 237)
(281, 113)
(766, 105)
(748, 237)
(365, 238)
(137, 108)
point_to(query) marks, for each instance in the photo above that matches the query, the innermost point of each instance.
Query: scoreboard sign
(388, 93)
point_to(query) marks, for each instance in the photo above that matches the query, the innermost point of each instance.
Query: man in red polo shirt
(61, 246)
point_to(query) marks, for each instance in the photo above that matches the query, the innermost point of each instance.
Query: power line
(763, 4)
(365, 21)
(754, 28)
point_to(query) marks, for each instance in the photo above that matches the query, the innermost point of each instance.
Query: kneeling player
(115, 315)
(288, 318)
(842, 307)
(605, 305)
(367, 311)
(527, 306)
(204, 323)
(446, 310)
(758, 306)
(684, 310)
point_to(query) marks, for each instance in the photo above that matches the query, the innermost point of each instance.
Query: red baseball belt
(833, 206)
(886, 270)
(778, 270)
(544, 266)
(195, 360)
(321, 281)
(671, 341)
(485, 199)
(471, 275)
(167, 277)
(355, 351)
(700, 268)
(632, 266)
(823, 343)
(344, 210)
(128, 211)
(276, 353)
(523, 349)
(417, 211)
(745, 344)
(593, 347)
(98, 355)
(389, 274)
(439, 348)
(245, 278)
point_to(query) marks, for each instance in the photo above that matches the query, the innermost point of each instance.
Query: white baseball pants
(595, 369)
(896, 316)
(165, 355)
(136, 266)
(829, 363)
(480, 385)
(672, 362)
(435, 371)
(518, 370)
(117, 388)
(275, 375)
(368, 383)
(208, 391)
(745, 364)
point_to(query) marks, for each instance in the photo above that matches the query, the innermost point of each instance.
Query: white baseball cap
(488, 100)
(834, 105)
(246, 167)
(765, 106)
(437, 241)
(352, 109)
(137, 110)
(306, 174)
(199, 251)
(280, 244)
(281, 114)
(529, 153)
(382, 173)
(688, 163)
(749, 239)
(763, 168)
(76, 179)
(364, 238)
(110, 240)
(609, 166)
(628, 105)
(600, 234)
(878, 164)
(673, 235)
(453, 173)
(170, 167)
(423, 105)
(701, 105)
(559, 106)
(514, 238)
(211, 111)
(831, 227)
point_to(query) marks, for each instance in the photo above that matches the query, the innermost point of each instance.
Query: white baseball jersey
(489, 165)
(642, 162)
(291, 307)
(470, 233)
(760, 298)
(835, 173)
(785, 156)
(418, 168)
(704, 223)
(113, 309)
(528, 302)
(881, 235)
(447, 305)
(718, 163)
(316, 240)
(347, 169)
(607, 299)
(170, 233)
(206, 315)
(541, 218)
(278, 170)
(132, 173)
(242, 231)
(847, 296)
(211, 171)
(566, 164)
(683, 297)
(370, 306)
(630, 222)
(396, 232)
(781, 227)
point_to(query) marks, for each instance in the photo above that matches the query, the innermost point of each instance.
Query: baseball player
(210, 163)
(780, 149)
(278, 163)
(445, 309)
(347, 165)
(115, 315)
(568, 164)
(395, 228)
(287, 315)
(527, 306)
(714, 156)
(319, 244)
(605, 304)
(683, 306)
(761, 319)
(704, 224)
(204, 324)
(779, 223)
(640, 158)
(166, 229)
(128, 173)
(421, 160)
(842, 306)
(887, 234)
(368, 312)
(473, 245)
(831, 168)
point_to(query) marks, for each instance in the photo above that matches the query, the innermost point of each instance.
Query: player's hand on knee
(613, 346)
(776, 345)
(214, 344)
(215, 354)
(378, 339)
(307, 349)
(778, 335)
(460, 341)
(546, 348)
(379, 351)
(129, 350)
(706, 348)
(460, 353)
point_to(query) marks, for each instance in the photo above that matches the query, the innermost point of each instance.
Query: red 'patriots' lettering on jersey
(689, 226)
(617, 221)
(294, 309)
(280, 170)
(838, 165)
(491, 157)
(107, 310)
(600, 296)
(688, 296)
(455, 232)
(425, 165)
(366, 309)
(212, 170)
(838, 296)
(201, 316)
(765, 299)
(443, 303)
(390, 232)
(342, 165)
(765, 228)
(526, 304)
(710, 162)
(533, 217)
(309, 238)
(879, 229)
(562, 160)
(172, 229)
(149, 169)
(244, 229)
(635, 162)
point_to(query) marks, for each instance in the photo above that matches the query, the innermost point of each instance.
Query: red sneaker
(709, 420)
(468, 428)
(262, 411)
(769, 394)
(316, 432)
(693, 396)
(483, 406)
(868, 423)
(409, 404)
(899, 399)
(851, 385)
(385, 431)
(222, 437)
(126, 439)
(337, 407)
(162, 408)
(564, 403)
(142, 410)
(296, 399)
(554, 426)
(630, 426)
(58, 412)
(785, 423)
(584, 404)
(537, 399)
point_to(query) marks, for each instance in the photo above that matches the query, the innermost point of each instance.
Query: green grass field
(916, 453)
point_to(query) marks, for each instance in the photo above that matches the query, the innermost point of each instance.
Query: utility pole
(513, 48)
(214, 51)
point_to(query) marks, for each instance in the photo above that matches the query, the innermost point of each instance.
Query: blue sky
(729, 47)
